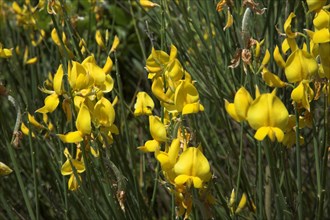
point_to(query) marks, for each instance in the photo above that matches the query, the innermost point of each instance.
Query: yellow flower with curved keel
(269, 116)
(192, 168)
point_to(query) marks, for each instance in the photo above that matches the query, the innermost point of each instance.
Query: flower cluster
(303, 66)
(87, 85)
(184, 167)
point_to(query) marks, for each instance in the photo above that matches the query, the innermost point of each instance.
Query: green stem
(128, 140)
(137, 31)
(317, 167)
(273, 178)
(239, 162)
(34, 174)
(20, 181)
(298, 162)
(325, 150)
(260, 207)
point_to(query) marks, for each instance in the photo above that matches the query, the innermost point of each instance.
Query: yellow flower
(303, 94)
(144, 104)
(287, 26)
(278, 57)
(322, 20)
(149, 146)
(299, 66)
(186, 98)
(157, 129)
(104, 113)
(4, 169)
(99, 39)
(168, 159)
(271, 79)
(52, 101)
(83, 124)
(315, 5)
(238, 110)
(241, 204)
(148, 4)
(322, 38)
(230, 20)
(192, 168)
(4, 52)
(269, 116)
(67, 169)
(115, 44)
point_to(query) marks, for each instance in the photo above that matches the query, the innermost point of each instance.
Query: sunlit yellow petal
(230, 20)
(4, 169)
(299, 66)
(57, 83)
(71, 137)
(144, 104)
(51, 103)
(278, 57)
(114, 44)
(230, 108)
(108, 66)
(157, 129)
(83, 122)
(242, 103)
(271, 79)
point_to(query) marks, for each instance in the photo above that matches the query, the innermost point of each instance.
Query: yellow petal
(71, 137)
(148, 4)
(51, 103)
(108, 66)
(4, 169)
(99, 39)
(261, 133)
(242, 203)
(230, 108)
(157, 129)
(321, 36)
(150, 146)
(271, 79)
(287, 26)
(198, 183)
(73, 183)
(114, 44)
(278, 57)
(104, 113)
(315, 5)
(266, 58)
(31, 60)
(83, 122)
(157, 89)
(322, 19)
(34, 122)
(26, 130)
(192, 108)
(230, 20)
(299, 66)
(185, 93)
(181, 179)
(144, 104)
(242, 103)
(57, 83)
(156, 61)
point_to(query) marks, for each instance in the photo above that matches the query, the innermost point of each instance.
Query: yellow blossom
(192, 167)
(144, 104)
(299, 66)
(269, 116)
